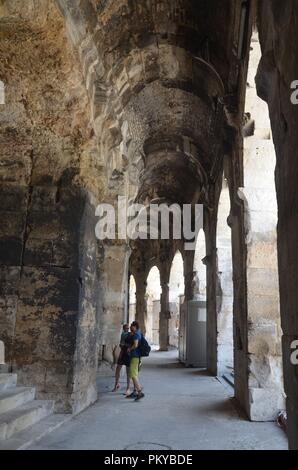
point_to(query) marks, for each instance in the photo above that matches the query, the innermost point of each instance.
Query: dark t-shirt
(136, 352)
(124, 336)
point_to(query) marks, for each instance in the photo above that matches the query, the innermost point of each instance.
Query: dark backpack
(144, 347)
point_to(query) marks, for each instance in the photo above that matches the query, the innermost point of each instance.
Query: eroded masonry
(157, 101)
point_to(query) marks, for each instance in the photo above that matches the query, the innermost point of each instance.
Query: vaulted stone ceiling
(162, 73)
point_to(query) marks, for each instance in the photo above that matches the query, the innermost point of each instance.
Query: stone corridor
(184, 408)
(165, 104)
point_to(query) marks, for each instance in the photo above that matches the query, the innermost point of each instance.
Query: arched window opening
(176, 292)
(153, 293)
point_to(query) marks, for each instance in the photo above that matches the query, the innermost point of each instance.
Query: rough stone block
(262, 255)
(38, 252)
(265, 307)
(50, 286)
(12, 224)
(13, 197)
(43, 198)
(11, 251)
(59, 376)
(263, 339)
(262, 281)
(265, 404)
(9, 277)
(64, 253)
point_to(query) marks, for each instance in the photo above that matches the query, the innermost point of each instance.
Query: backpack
(144, 347)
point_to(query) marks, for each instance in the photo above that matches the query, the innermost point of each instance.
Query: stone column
(164, 317)
(258, 368)
(2, 353)
(189, 275)
(114, 285)
(266, 381)
(240, 326)
(49, 292)
(277, 70)
(257, 355)
(211, 267)
(141, 301)
(164, 307)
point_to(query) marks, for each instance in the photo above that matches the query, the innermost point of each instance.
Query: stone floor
(184, 409)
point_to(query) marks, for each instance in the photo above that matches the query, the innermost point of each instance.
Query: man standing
(135, 358)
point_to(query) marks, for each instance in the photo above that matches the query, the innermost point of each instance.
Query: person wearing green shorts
(135, 359)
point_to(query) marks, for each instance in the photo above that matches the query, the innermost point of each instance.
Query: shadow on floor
(225, 408)
(168, 365)
(201, 372)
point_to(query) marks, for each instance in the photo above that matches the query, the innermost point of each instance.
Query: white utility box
(192, 334)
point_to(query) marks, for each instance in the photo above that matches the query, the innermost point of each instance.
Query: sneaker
(139, 396)
(132, 395)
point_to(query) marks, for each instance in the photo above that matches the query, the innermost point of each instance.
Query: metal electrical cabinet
(192, 334)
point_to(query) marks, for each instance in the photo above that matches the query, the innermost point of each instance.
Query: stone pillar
(211, 267)
(240, 326)
(259, 194)
(2, 353)
(114, 284)
(165, 268)
(257, 345)
(257, 354)
(164, 317)
(141, 301)
(189, 275)
(49, 292)
(277, 70)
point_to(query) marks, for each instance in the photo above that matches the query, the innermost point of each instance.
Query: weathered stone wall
(2, 353)
(256, 361)
(49, 292)
(277, 70)
(114, 297)
(264, 332)
(159, 104)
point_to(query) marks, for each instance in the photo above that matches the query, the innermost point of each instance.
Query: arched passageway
(176, 294)
(224, 292)
(132, 299)
(153, 293)
(199, 267)
(154, 102)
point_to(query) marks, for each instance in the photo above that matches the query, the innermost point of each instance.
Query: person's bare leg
(137, 385)
(127, 391)
(117, 378)
(138, 388)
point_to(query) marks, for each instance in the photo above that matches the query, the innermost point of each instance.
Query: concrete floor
(184, 409)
